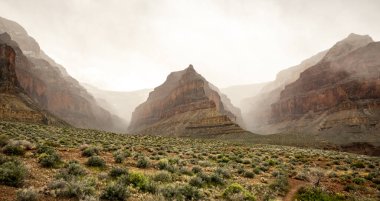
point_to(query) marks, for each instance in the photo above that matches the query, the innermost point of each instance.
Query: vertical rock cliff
(186, 105)
(340, 94)
(15, 105)
(49, 85)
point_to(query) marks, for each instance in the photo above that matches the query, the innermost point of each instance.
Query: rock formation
(259, 106)
(186, 105)
(15, 105)
(49, 85)
(340, 94)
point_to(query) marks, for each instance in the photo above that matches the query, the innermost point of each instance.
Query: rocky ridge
(48, 84)
(15, 105)
(339, 94)
(186, 105)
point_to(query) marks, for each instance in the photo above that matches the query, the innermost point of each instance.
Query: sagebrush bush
(96, 161)
(49, 160)
(117, 172)
(73, 169)
(14, 149)
(143, 162)
(3, 140)
(163, 164)
(12, 173)
(163, 177)
(249, 174)
(115, 192)
(178, 192)
(74, 188)
(119, 158)
(27, 194)
(90, 151)
(317, 194)
(237, 192)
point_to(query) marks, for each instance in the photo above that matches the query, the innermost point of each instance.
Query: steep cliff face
(15, 105)
(186, 104)
(48, 84)
(260, 116)
(258, 108)
(339, 94)
(8, 78)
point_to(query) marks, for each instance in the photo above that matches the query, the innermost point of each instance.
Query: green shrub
(163, 177)
(358, 180)
(143, 162)
(190, 193)
(73, 169)
(349, 187)
(280, 184)
(137, 180)
(317, 194)
(117, 172)
(171, 193)
(45, 149)
(358, 165)
(237, 192)
(223, 172)
(186, 192)
(11, 149)
(119, 158)
(12, 173)
(96, 161)
(197, 182)
(27, 194)
(49, 160)
(196, 169)
(90, 151)
(74, 188)
(249, 174)
(115, 192)
(4, 139)
(163, 164)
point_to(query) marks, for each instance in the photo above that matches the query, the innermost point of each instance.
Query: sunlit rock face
(186, 104)
(340, 94)
(48, 84)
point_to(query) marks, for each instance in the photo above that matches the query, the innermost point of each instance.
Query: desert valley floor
(61, 163)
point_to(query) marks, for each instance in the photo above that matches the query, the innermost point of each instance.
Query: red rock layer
(350, 83)
(184, 94)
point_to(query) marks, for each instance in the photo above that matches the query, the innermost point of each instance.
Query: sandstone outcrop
(48, 84)
(260, 117)
(339, 94)
(15, 105)
(186, 105)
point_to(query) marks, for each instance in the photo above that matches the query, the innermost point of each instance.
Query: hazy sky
(134, 44)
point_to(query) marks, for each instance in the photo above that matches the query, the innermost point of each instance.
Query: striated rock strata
(259, 116)
(15, 105)
(49, 85)
(340, 94)
(186, 105)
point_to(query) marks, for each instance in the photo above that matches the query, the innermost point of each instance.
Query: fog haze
(134, 44)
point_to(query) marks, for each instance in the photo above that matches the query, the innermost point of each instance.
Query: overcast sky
(134, 44)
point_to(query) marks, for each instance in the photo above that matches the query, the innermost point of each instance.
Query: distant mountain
(49, 85)
(15, 104)
(339, 96)
(239, 93)
(186, 105)
(121, 103)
